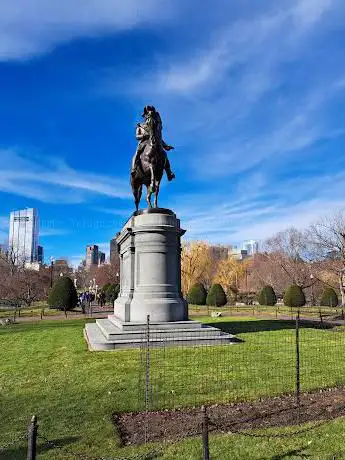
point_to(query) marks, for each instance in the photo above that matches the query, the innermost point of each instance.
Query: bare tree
(103, 274)
(328, 239)
(19, 284)
(24, 287)
(291, 253)
(108, 273)
(264, 271)
(82, 276)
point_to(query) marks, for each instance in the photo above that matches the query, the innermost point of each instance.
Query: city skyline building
(239, 254)
(251, 246)
(101, 258)
(114, 253)
(40, 255)
(23, 236)
(220, 252)
(92, 256)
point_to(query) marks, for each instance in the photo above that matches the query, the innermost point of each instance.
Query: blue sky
(251, 93)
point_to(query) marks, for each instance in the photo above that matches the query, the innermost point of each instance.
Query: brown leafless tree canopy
(22, 286)
(313, 259)
(328, 240)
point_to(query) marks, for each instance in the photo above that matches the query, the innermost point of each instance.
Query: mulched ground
(278, 411)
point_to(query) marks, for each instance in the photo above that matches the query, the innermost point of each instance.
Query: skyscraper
(40, 255)
(23, 236)
(239, 254)
(101, 258)
(91, 256)
(251, 246)
(114, 253)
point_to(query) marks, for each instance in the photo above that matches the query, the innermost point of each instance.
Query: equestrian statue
(150, 159)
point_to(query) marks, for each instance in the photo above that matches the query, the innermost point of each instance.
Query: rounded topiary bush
(197, 294)
(267, 296)
(63, 295)
(329, 298)
(112, 292)
(294, 296)
(216, 296)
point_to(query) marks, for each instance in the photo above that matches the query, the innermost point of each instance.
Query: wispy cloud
(46, 231)
(28, 28)
(251, 88)
(260, 43)
(295, 129)
(260, 213)
(44, 179)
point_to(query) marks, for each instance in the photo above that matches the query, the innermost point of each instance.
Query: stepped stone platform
(113, 334)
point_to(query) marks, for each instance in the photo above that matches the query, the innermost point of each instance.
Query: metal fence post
(32, 438)
(147, 376)
(298, 381)
(206, 449)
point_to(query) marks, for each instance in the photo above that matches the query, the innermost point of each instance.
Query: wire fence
(10, 314)
(277, 311)
(280, 378)
(280, 373)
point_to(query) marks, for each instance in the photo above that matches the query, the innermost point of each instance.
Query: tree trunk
(341, 287)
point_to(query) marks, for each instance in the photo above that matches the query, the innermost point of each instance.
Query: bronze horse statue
(151, 160)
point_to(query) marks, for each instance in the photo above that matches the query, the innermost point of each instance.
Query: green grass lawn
(46, 369)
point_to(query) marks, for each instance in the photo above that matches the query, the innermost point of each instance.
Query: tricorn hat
(148, 108)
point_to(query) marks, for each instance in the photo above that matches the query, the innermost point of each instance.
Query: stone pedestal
(150, 285)
(150, 258)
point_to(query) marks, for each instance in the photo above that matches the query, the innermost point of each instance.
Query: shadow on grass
(21, 452)
(291, 453)
(238, 327)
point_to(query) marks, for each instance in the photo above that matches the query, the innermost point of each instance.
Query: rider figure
(142, 135)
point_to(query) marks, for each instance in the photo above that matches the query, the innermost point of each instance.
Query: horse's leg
(152, 185)
(148, 197)
(155, 205)
(137, 196)
(137, 190)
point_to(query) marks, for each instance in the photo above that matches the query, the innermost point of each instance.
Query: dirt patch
(278, 411)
